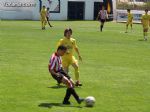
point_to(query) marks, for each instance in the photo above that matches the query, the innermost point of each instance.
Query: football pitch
(115, 67)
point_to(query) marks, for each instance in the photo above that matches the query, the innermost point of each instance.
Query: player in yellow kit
(43, 14)
(68, 59)
(145, 20)
(129, 21)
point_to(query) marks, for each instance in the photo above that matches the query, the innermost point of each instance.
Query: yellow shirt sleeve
(59, 43)
(74, 44)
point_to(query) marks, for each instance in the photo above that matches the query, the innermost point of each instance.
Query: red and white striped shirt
(103, 14)
(55, 62)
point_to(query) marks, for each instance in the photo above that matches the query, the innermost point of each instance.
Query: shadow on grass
(50, 105)
(57, 87)
(142, 40)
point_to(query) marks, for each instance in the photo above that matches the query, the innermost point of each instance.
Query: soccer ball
(90, 101)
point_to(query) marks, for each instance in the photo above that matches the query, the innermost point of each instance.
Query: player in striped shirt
(48, 16)
(55, 68)
(102, 16)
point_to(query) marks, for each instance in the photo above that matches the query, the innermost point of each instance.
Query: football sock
(68, 94)
(101, 27)
(146, 33)
(73, 92)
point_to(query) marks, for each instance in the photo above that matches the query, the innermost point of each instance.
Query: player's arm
(41, 12)
(142, 20)
(77, 50)
(132, 17)
(107, 15)
(59, 43)
(98, 16)
(54, 73)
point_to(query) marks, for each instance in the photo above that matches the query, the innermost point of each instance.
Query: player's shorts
(129, 22)
(102, 20)
(145, 26)
(68, 60)
(61, 75)
(43, 19)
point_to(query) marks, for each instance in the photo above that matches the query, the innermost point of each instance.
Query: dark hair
(128, 10)
(43, 5)
(66, 31)
(61, 47)
(70, 30)
(146, 10)
(47, 8)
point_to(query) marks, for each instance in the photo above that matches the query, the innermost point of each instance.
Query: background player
(43, 17)
(129, 21)
(55, 68)
(68, 58)
(102, 16)
(145, 20)
(48, 16)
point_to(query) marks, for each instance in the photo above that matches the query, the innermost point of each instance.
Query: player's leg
(66, 75)
(48, 22)
(102, 25)
(45, 22)
(76, 71)
(42, 23)
(145, 31)
(66, 63)
(70, 91)
(131, 26)
(127, 27)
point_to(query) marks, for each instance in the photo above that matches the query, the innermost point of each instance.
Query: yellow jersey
(145, 20)
(130, 17)
(69, 43)
(43, 13)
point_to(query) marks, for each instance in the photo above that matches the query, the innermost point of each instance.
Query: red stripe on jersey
(55, 63)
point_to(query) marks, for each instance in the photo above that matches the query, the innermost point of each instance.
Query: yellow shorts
(145, 26)
(43, 19)
(129, 22)
(68, 60)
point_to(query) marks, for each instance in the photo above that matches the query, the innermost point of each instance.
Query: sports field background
(115, 68)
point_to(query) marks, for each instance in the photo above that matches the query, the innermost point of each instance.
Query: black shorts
(102, 20)
(61, 75)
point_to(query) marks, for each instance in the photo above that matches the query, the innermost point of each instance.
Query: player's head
(70, 30)
(61, 50)
(48, 8)
(43, 7)
(67, 33)
(146, 10)
(128, 10)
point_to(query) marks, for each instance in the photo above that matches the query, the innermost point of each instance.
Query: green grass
(115, 68)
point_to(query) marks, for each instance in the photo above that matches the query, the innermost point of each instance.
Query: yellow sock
(42, 24)
(146, 34)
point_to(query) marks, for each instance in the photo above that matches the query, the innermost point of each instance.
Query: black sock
(73, 92)
(68, 94)
(101, 27)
